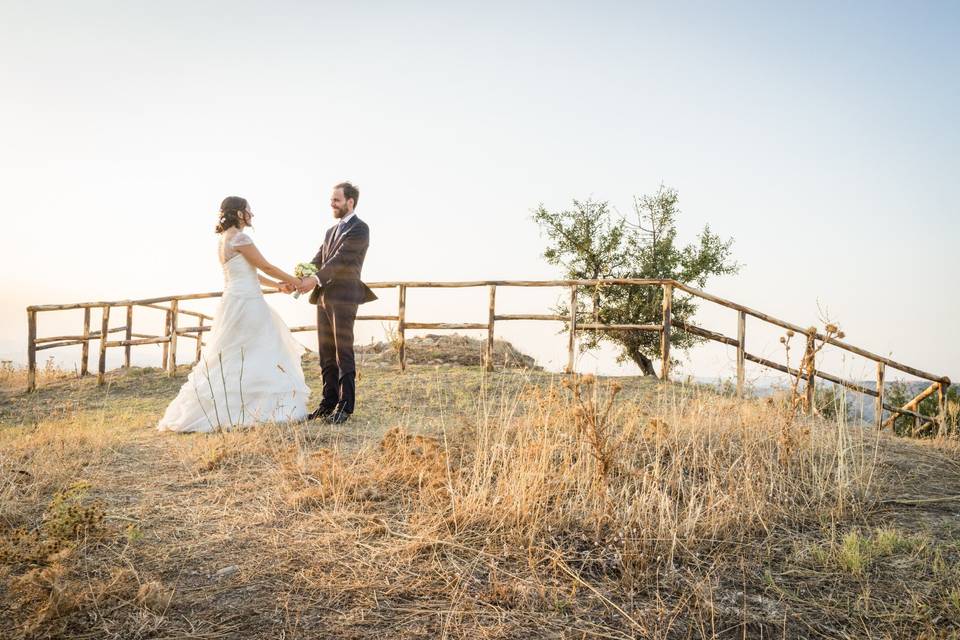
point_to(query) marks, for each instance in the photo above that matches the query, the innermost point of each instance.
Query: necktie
(336, 234)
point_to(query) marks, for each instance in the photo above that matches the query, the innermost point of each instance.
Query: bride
(249, 372)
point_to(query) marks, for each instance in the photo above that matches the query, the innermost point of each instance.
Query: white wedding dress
(249, 372)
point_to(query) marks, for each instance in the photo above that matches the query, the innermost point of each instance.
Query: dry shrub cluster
(12, 375)
(60, 556)
(55, 574)
(37, 462)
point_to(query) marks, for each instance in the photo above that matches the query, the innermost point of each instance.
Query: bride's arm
(254, 257)
(267, 282)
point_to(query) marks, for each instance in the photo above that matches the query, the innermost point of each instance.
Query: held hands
(306, 285)
(305, 272)
(303, 285)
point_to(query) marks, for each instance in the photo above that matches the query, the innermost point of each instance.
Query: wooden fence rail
(172, 331)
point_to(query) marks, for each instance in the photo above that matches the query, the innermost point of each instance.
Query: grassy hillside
(458, 504)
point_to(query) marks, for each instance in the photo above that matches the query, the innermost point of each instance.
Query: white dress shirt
(344, 220)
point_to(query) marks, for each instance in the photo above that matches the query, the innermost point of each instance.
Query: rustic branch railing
(173, 331)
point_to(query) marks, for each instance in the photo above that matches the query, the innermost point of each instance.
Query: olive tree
(590, 241)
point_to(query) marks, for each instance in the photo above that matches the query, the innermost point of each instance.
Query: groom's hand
(306, 285)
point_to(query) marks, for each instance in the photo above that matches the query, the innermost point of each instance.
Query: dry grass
(519, 507)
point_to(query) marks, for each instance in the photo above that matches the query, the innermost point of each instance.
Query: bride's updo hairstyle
(231, 212)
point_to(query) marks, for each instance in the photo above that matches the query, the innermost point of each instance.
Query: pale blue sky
(822, 137)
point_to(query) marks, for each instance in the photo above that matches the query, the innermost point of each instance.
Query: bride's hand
(306, 285)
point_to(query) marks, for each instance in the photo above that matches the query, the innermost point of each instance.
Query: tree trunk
(645, 363)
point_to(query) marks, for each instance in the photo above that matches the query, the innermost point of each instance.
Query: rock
(226, 572)
(433, 349)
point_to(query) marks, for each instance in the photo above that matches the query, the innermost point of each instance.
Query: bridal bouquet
(304, 270)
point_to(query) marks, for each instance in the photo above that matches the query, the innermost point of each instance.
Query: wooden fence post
(172, 359)
(491, 318)
(942, 408)
(31, 350)
(665, 333)
(572, 342)
(878, 407)
(810, 372)
(85, 349)
(741, 349)
(128, 335)
(104, 328)
(596, 304)
(166, 345)
(196, 358)
(402, 328)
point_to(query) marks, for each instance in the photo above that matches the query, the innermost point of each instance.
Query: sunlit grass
(460, 503)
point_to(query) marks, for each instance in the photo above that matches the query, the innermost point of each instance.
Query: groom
(337, 291)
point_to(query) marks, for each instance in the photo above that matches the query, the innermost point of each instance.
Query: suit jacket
(339, 264)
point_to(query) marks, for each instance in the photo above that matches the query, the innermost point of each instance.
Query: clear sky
(823, 137)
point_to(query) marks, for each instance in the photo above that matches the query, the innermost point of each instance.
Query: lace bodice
(239, 276)
(229, 243)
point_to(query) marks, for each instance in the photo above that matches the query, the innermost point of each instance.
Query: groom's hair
(349, 191)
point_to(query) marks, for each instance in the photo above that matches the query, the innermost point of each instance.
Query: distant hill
(861, 405)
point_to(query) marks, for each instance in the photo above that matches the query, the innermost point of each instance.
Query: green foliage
(832, 402)
(857, 552)
(898, 394)
(589, 241)
(854, 553)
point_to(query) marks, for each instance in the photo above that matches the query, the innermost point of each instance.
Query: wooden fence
(173, 331)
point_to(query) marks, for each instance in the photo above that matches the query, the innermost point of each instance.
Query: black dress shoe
(337, 417)
(322, 412)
